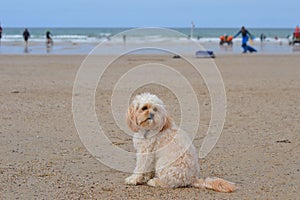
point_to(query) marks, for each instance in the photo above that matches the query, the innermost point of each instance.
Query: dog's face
(147, 112)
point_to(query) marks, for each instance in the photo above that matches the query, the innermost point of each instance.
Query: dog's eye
(144, 108)
(155, 109)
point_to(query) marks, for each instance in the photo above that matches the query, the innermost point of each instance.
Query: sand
(42, 156)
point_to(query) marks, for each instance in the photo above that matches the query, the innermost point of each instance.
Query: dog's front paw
(134, 179)
(155, 182)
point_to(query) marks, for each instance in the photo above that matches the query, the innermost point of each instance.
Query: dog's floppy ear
(131, 119)
(168, 123)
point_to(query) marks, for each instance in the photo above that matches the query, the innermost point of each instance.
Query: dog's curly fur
(166, 156)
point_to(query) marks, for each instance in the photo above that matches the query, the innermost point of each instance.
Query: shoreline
(217, 55)
(107, 47)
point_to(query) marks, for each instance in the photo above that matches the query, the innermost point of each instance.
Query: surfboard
(251, 49)
(205, 54)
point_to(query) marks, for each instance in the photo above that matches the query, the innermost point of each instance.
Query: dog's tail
(216, 184)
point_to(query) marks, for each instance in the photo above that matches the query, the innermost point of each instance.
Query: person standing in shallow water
(49, 40)
(245, 37)
(26, 36)
(0, 33)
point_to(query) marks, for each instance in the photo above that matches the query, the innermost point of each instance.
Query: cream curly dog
(166, 156)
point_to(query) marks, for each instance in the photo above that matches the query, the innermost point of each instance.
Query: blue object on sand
(205, 54)
(250, 49)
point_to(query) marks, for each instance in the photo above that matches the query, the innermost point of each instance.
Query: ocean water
(83, 40)
(99, 34)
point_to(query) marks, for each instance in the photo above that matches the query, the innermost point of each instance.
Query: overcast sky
(154, 13)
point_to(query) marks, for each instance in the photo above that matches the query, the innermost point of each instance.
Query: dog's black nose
(151, 115)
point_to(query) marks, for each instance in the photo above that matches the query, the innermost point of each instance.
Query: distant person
(278, 39)
(49, 40)
(124, 39)
(0, 33)
(297, 32)
(245, 37)
(26, 36)
(296, 36)
(262, 37)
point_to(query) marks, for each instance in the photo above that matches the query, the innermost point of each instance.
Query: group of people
(26, 36)
(245, 37)
(243, 31)
(49, 41)
(246, 34)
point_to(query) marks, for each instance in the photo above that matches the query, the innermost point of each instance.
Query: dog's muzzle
(151, 116)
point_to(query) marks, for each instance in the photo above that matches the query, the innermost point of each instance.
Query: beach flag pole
(192, 29)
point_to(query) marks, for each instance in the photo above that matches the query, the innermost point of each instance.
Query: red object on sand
(226, 39)
(297, 32)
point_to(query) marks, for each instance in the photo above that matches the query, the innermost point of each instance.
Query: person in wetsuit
(26, 36)
(49, 39)
(245, 37)
(0, 33)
